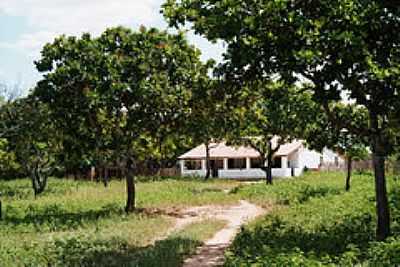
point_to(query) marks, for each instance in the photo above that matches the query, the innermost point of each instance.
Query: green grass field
(83, 223)
(314, 222)
(317, 224)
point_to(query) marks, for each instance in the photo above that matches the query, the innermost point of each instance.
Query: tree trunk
(39, 181)
(130, 186)
(161, 164)
(208, 165)
(349, 163)
(269, 163)
(269, 168)
(382, 205)
(105, 176)
(98, 174)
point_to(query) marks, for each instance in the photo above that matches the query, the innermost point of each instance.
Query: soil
(212, 252)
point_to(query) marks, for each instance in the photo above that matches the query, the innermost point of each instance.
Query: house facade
(245, 163)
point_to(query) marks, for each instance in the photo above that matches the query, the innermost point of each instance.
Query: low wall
(246, 173)
(199, 173)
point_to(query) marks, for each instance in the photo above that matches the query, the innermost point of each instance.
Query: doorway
(215, 165)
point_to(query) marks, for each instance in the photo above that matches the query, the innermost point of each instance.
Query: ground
(211, 253)
(305, 220)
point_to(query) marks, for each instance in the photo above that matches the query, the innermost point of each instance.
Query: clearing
(211, 253)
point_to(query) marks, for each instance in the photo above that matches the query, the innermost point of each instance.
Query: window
(337, 161)
(256, 163)
(237, 163)
(277, 162)
(217, 164)
(193, 164)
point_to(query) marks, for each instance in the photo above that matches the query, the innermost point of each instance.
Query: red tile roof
(221, 150)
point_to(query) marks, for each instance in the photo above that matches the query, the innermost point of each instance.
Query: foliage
(124, 90)
(32, 137)
(9, 166)
(323, 133)
(279, 114)
(10, 92)
(206, 122)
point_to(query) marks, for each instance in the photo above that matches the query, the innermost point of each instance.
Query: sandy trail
(212, 252)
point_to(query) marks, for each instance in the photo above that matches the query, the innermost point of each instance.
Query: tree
(278, 114)
(8, 161)
(32, 137)
(325, 134)
(340, 47)
(206, 121)
(10, 92)
(106, 93)
(354, 151)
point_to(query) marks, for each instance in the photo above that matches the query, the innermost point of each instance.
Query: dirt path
(212, 252)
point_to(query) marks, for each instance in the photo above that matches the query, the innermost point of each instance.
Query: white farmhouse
(244, 162)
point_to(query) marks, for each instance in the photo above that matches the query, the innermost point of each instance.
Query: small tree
(354, 152)
(206, 121)
(323, 133)
(31, 135)
(279, 114)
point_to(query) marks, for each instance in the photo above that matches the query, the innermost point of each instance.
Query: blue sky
(26, 25)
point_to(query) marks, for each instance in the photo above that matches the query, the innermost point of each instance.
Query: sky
(27, 25)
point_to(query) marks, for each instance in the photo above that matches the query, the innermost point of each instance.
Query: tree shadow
(57, 218)
(278, 237)
(309, 192)
(117, 252)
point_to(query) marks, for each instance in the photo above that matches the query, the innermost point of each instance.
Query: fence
(391, 166)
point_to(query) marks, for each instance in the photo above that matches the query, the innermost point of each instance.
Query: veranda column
(182, 165)
(225, 163)
(284, 162)
(203, 164)
(248, 164)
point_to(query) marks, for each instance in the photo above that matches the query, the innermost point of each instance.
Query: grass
(319, 224)
(292, 191)
(173, 250)
(316, 223)
(82, 223)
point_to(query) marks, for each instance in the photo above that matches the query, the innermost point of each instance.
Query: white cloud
(49, 18)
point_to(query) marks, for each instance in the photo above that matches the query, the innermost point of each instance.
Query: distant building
(244, 162)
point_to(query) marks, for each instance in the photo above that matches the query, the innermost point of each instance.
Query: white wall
(312, 159)
(246, 173)
(329, 157)
(309, 159)
(294, 159)
(194, 173)
(257, 173)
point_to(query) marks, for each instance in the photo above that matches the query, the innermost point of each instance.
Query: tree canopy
(32, 139)
(119, 91)
(277, 114)
(340, 47)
